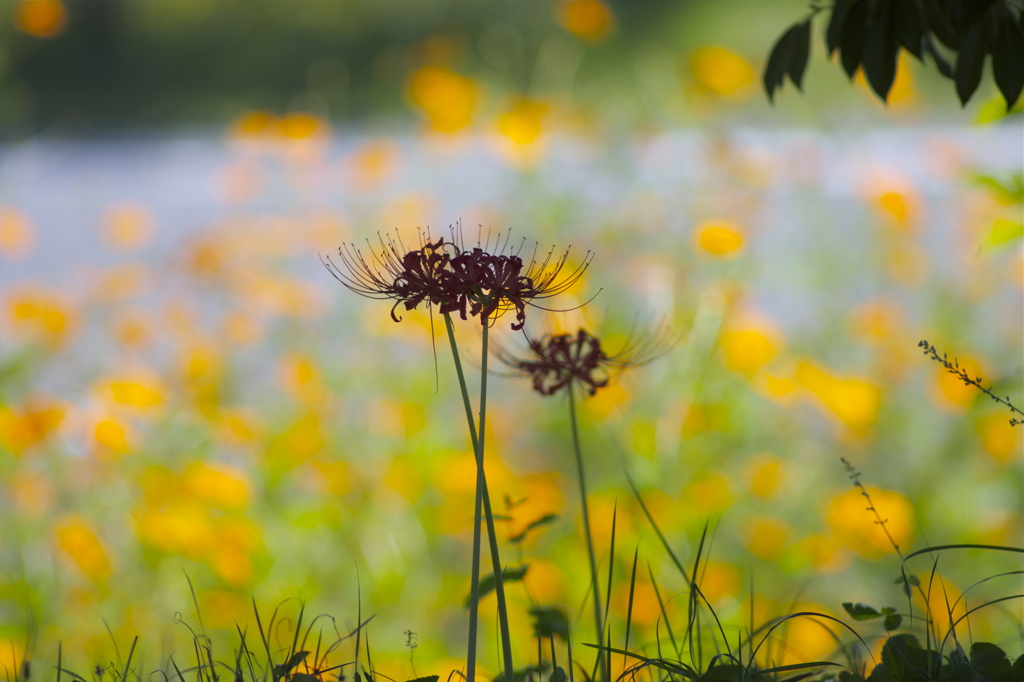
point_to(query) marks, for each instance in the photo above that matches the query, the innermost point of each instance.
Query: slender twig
(953, 367)
(855, 477)
(595, 590)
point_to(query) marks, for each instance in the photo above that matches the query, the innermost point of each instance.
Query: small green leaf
(550, 621)
(991, 661)
(892, 621)
(545, 520)
(860, 611)
(426, 678)
(509, 575)
(1003, 232)
(557, 675)
(285, 668)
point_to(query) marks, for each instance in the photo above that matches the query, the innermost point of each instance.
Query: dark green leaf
(426, 678)
(723, 673)
(851, 40)
(881, 51)
(840, 11)
(940, 62)
(940, 23)
(1008, 61)
(550, 621)
(908, 26)
(778, 61)
(801, 53)
(893, 621)
(971, 60)
(304, 677)
(861, 611)
(1017, 672)
(509, 575)
(906, 661)
(285, 668)
(557, 675)
(991, 661)
(971, 12)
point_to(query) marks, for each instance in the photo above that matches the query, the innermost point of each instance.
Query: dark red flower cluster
(556, 361)
(472, 282)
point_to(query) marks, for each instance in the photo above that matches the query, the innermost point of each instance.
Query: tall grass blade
(661, 536)
(629, 606)
(128, 663)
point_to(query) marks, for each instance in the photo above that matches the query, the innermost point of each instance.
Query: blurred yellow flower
(403, 478)
(721, 71)
(1000, 440)
(719, 581)
(709, 495)
(823, 553)
(39, 315)
(371, 164)
(223, 609)
(895, 205)
(704, 418)
(546, 580)
(854, 402)
(300, 377)
(334, 477)
(11, 657)
(232, 565)
(951, 392)
(302, 440)
(127, 227)
(747, 350)
(447, 98)
(112, 436)
(766, 537)
(605, 401)
(181, 527)
(646, 608)
(41, 18)
(591, 20)
(765, 474)
(856, 528)
(21, 429)
(135, 394)
(16, 234)
(718, 238)
(253, 124)
(807, 638)
(302, 126)
(875, 321)
(218, 486)
(82, 544)
(902, 93)
(523, 122)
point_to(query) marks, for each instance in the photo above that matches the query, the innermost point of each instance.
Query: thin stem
(482, 498)
(595, 590)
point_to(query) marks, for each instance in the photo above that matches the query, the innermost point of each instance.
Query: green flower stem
(595, 590)
(482, 497)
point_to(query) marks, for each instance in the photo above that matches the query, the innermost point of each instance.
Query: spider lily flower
(472, 282)
(556, 361)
